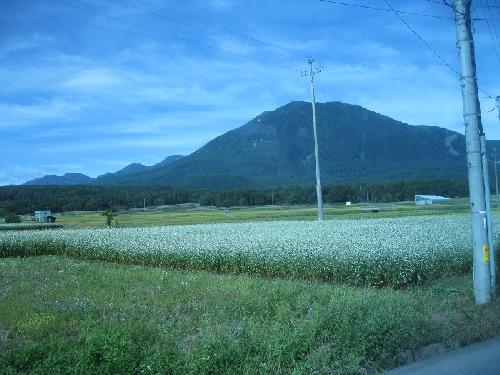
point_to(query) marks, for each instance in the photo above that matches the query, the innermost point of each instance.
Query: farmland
(378, 252)
(180, 215)
(355, 294)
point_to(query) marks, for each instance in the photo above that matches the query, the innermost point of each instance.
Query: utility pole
(489, 216)
(498, 106)
(473, 134)
(144, 207)
(493, 267)
(319, 195)
(496, 175)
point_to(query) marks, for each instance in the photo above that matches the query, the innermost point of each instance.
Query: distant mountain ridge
(66, 179)
(276, 149)
(81, 179)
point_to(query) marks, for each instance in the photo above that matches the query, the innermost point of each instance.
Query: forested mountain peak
(276, 149)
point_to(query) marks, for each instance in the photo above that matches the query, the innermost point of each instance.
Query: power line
(399, 11)
(441, 58)
(206, 27)
(438, 2)
(164, 34)
(492, 32)
(488, 6)
(427, 44)
(219, 30)
(384, 9)
(343, 82)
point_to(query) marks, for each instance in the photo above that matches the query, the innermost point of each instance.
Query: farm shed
(42, 216)
(429, 199)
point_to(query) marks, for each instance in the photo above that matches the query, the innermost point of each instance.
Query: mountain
(81, 179)
(129, 169)
(276, 149)
(66, 179)
(133, 169)
(167, 160)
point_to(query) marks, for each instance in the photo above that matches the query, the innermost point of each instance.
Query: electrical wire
(384, 9)
(165, 34)
(221, 32)
(206, 28)
(492, 31)
(441, 2)
(432, 49)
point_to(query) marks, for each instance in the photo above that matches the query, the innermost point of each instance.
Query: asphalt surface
(481, 359)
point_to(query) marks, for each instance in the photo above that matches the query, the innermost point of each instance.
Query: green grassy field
(180, 216)
(69, 316)
(66, 316)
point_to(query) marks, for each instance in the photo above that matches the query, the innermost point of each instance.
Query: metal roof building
(429, 199)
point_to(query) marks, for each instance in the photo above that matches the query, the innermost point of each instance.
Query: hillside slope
(276, 149)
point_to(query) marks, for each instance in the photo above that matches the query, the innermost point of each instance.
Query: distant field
(180, 216)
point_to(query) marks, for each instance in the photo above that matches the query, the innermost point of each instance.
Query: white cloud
(220, 5)
(144, 93)
(23, 44)
(24, 115)
(93, 79)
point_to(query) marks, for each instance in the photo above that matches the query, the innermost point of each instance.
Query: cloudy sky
(92, 85)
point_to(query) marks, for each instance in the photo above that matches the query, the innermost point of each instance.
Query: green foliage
(90, 198)
(109, 215)
(78, 317)
(12, 218)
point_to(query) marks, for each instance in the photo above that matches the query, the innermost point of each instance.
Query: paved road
(480, 359)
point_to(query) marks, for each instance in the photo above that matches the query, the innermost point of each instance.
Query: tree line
(27, 199)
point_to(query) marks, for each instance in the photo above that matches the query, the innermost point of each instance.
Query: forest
(27, 199)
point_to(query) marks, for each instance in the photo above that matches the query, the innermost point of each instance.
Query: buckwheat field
(378, 252)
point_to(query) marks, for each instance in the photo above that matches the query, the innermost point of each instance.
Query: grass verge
(60, 315)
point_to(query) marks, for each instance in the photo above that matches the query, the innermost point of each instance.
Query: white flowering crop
(394, 251)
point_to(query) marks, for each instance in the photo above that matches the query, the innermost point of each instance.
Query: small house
(43, 216)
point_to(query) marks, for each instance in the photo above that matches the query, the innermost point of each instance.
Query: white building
(430, 199)
(42, 216)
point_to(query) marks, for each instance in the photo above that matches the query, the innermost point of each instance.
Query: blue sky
(91, 85)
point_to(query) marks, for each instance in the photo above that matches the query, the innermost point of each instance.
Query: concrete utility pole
(489, 216)
(473, 133)
(319, 195)
(498, 106)
(496, 174)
